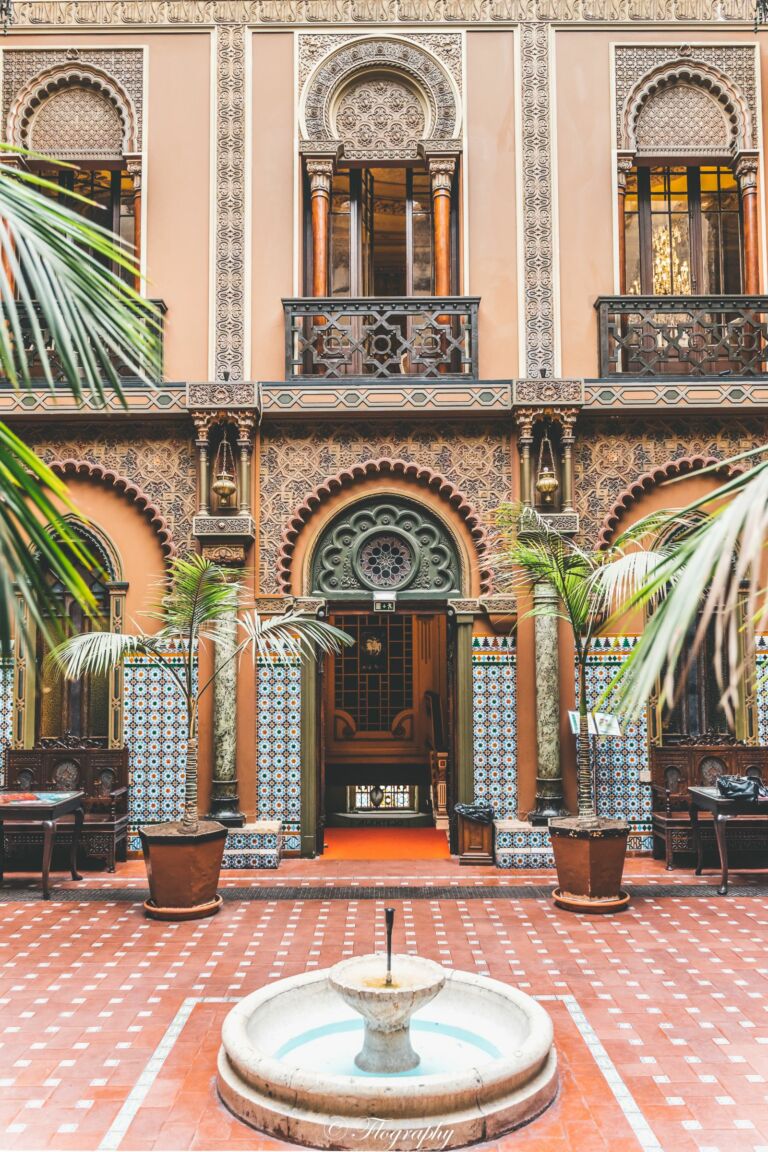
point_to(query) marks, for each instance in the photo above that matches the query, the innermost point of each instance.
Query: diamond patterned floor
(673, 992)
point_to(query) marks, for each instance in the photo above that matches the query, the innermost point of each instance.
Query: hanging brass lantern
(546, 477)
(224, 484)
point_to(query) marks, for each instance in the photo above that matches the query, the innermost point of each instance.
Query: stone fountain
(388, 1052)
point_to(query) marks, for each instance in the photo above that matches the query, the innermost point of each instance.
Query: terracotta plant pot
(590, 863)
(183, 870)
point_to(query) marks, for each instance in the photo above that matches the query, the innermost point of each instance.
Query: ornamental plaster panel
(608, 456)
(297, 458)
(161, 465)
(538, 217)
(230, 241)
(330, 110)
(36, 78)
(678, 95)
(275, 13)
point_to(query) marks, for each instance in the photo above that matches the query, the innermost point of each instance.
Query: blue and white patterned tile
(494, 720)
(6, 713)
(278, 748)
(155, 732)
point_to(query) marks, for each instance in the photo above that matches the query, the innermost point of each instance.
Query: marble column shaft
(549, 783)
(224, 797)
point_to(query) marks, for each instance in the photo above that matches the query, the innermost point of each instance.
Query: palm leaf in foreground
(715, 572)
(34, 540)
(294, 635)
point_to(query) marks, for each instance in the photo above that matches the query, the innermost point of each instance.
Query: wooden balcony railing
(683, 335)
(37, 374)
(425, 337)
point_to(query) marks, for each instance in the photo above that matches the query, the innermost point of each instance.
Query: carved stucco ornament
(379, 97)
(692, 102)
(77, 107)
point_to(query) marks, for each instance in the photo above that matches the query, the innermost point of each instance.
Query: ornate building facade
(415, 259)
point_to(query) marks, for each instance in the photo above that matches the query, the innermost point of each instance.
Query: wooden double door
(383, 719)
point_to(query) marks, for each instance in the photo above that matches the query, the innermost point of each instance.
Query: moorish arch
(379, 96)
(429, 524)
(648, 481)
(686, 108)
(85, 470)
(75, 112)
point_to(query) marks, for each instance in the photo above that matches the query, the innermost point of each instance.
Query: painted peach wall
(584, 143)
(177, 185)
(492, 198)
(137, 545)
(272, 241)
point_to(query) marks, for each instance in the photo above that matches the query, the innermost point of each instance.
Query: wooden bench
(71, 765)
(674, 769)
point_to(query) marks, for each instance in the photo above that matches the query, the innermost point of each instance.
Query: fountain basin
(488, 1065)
(387, 1008)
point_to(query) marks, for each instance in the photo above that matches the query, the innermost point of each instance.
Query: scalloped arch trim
(685, 466)
(402, 470)
(84, 470)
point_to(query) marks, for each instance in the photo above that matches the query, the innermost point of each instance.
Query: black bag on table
(748, 788)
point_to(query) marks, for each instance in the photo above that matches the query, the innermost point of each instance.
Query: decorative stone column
(441, 172)
(567, 437)
(225, 804)
(746, 173)
(202, 430)
(245, 425)
(524, 419)
(133, 167)
(320, 174)
(623, 167)
(549, 780)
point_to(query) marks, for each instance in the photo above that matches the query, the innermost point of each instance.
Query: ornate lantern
(546, 477)
(224, 484)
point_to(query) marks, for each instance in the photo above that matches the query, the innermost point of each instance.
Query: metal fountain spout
(389, 916)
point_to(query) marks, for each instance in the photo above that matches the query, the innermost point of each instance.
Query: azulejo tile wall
(278, 748)
(621, 759)
(155, 728)
(761, 643)
(6, 712)
(494, 716)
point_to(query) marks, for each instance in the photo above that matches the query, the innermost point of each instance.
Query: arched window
(76, 708)
(83, 117)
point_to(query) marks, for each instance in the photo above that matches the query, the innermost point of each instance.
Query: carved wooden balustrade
(683, 335)
(37, 374)
(427, 337)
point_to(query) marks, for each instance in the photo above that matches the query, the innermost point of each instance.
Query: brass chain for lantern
(546, 477)
(224, 484)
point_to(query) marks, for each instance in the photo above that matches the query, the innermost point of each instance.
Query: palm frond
(63, 292)
(715, 573)
(614, 584)
(35, 539)
(292, 636)
(199, 593)
(96, 653)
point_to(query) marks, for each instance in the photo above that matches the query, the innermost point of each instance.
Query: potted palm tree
(591, 587)
(183, 858)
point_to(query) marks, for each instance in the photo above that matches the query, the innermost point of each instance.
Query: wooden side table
(45, 808)
(723, 810)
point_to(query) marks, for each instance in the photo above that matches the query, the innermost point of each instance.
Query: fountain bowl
(488, 1065)
(387, 1008)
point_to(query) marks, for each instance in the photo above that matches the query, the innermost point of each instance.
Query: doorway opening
(383, 706)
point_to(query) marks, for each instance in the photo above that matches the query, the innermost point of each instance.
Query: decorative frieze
(276, 13)
(541, 390)
(223, 395)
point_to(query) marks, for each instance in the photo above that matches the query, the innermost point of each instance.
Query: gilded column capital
(624, 165)
(202, 422)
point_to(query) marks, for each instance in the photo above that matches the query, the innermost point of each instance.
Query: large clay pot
(183, 869)
(590, 862)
